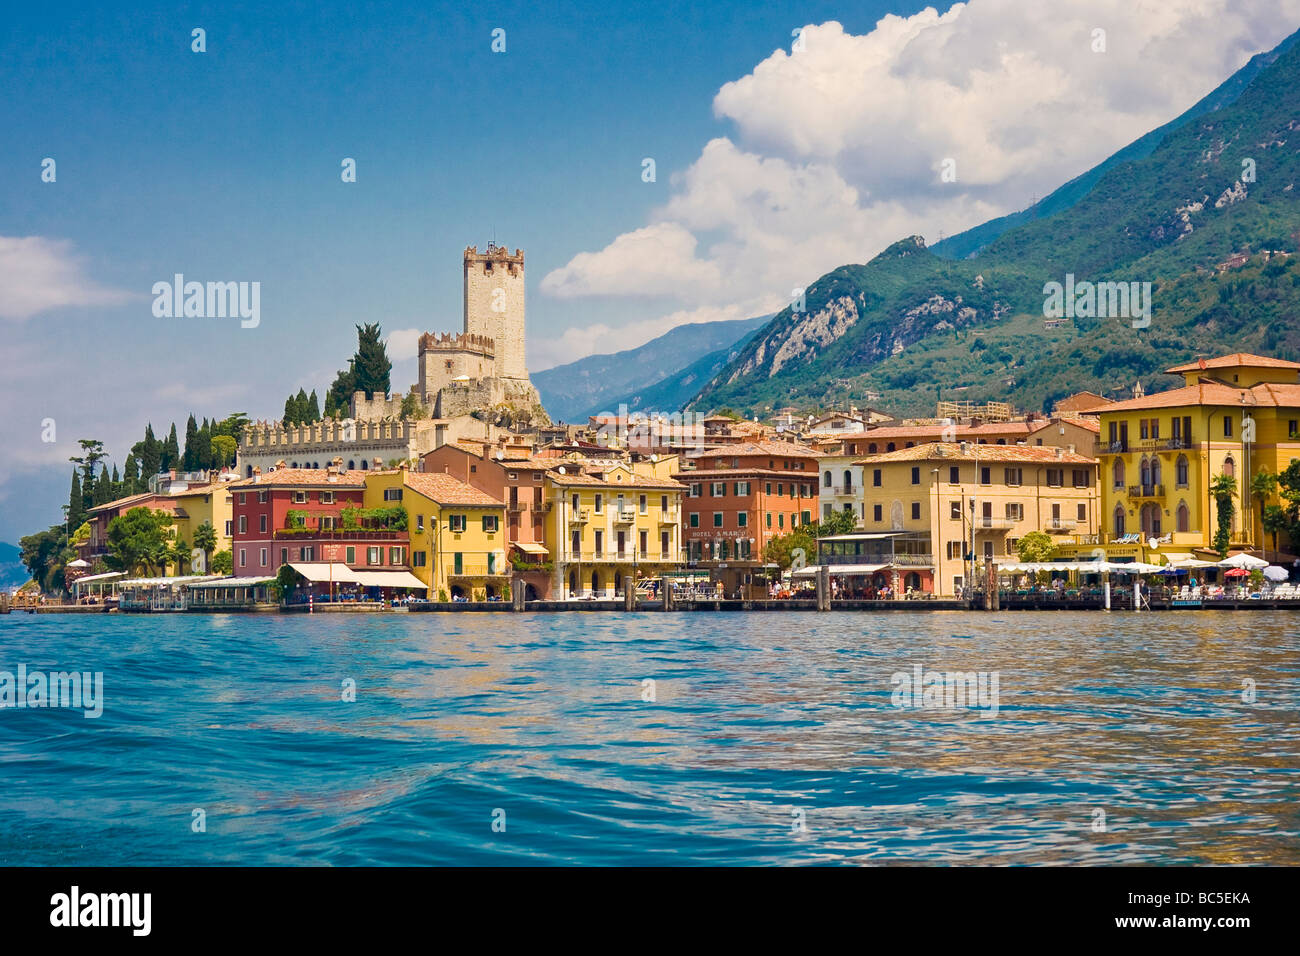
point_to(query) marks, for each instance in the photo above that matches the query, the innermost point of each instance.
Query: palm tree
(1264, 486)
(205, 539)
(1223, 488)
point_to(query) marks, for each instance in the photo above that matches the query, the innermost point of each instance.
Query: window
(769, 519)
(392, 494)
(309, 554)
(262, 557)
(1229, 467)
(1180, 471)
(876, 512)
(780, 489)
(243, 524)
(261, 497)
(327, 523)
(374, 556)
(694, 519)
(490, 523)
(644, 503)
(875, 477)
(955, 550)
(1015, 511)
(456, 523)
(717, 519)
(1014, 476)
(600, 502)
(351, 554)
(954, 510)
(742, 489)
(573, 502)
(742, 519)
(767, 488)
(1080, 477)
(419, 524)
(243, 557)
(1183, 518)
(1117, 471)
(261, 523)
(419, 559)
(457, 563)
(327, 497)
(954, 475)
(243, 498)
(916, 475)
(397, 555)
(1083, 512)
(228, 529)
(300, 497)
(512, 475)
(1143, 432)
(986, 475)
(805, 517)
(1055, 477)
(718, 489)
(826, 480)
(780, 521)
(1227, 426)
(916, 510)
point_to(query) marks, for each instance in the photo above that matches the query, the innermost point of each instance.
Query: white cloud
(402, 344)
(39, 274)
(838, 148)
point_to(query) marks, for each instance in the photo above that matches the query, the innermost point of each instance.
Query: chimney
(377, 463)
(1060, 452)
(965, 448)
(1071, 449)
(280, 464)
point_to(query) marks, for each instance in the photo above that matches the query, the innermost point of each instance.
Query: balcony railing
(332, 534)
(844, 490)
(1116, 447)
(989, 523)
(627, 554)
(1061, 524)
(624, 515)
(1146, 491)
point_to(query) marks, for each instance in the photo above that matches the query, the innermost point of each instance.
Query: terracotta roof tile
(951, 451)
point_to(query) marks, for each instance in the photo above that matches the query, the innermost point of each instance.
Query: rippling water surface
(771, 738)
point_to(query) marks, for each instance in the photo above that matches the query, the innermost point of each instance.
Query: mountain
(661, 375)
(12, 571)
(915, 326)
(965, 244)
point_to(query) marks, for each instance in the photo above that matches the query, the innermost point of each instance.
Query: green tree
(411, 407)
(1263, 486)
(223, 451)
(45, 554)
(838, 522)
(1222, 489)
(138, 540)
(76, 512)
(131, 476)
(372, 366)
(205, 539)
(149, 453)
(1035, 546)
(313, 407)
(103, 488)
(191, 461)
(92, 453)
(783, 549)
(223, 562)
(171, 452)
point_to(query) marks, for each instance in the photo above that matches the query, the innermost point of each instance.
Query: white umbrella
(1274, 573)
(1243, 560)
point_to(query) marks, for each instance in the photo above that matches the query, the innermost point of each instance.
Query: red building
(295, 516)
(740, 497)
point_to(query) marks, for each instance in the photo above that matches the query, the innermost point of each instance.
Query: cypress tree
(130, 476)
(313, 408)
(150, 456)
(372, 367)
(203, 454)
(76, 506)
(103, 490)
(171, 452)
(189, 461)
(290, 412)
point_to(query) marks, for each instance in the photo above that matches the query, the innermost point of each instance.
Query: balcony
(1116, 447)
(581, 516)
(624, 515)
(668, 517)
(1146, 491)
(333, 534)
(1061, 525)
(988, 523)
(844, 491)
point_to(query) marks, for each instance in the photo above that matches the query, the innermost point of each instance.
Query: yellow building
(1236, 415)
(605, 528)
(196, 506)
(924, 507)
(457, 533)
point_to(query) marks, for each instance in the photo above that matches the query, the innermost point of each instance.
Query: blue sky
(773, 165)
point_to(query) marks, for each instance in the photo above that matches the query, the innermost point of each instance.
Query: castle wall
(446, 357)
(494, 305)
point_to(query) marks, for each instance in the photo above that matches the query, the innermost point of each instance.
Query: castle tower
(494, 305)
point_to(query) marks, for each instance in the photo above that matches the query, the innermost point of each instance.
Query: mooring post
(823, 588)
(517, 594)
(1137, 593)
(994, 601)
(668, 593)
(1107, 589)
(629, 594)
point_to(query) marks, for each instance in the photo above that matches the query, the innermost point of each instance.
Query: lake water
(771, 738)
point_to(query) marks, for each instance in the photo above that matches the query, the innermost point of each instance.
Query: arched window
(1180, 471)
(913, 581)
(826, 480)
(1146, 471)
(595, 582)
(1184, 517)
(848, 479)
(1155, 470)
(889, 447)
(249, 471)
(1118, 471)
(1229, 467)
(871, 449)
(1119, 521)
(573, 582)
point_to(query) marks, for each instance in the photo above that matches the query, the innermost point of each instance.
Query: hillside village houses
(458, 504)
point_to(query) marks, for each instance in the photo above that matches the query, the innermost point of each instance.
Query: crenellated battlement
(458, 342)
(270, 434)
(493, 254)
